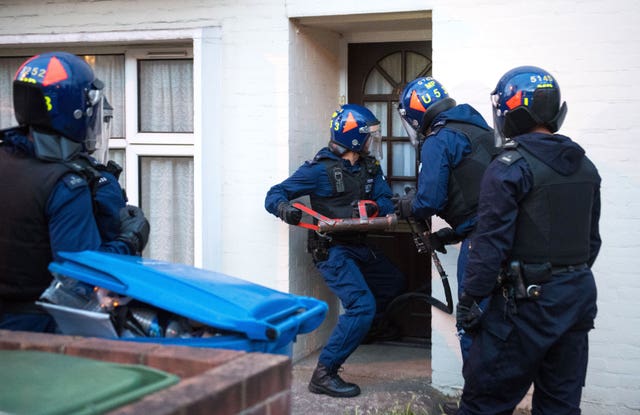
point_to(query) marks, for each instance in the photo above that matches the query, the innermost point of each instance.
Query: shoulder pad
(510, 145)
(509, 157)
(311, 162)
(73, 181)
(102, 181)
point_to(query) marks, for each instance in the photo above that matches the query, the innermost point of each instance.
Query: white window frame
(132, 57)
(206, 52)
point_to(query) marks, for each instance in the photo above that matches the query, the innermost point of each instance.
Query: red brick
(189, 361)
(116, 351)
(260, 409)
(205, 394)
(237, 382)
(34, 341)
(266, 375)
(280, 404)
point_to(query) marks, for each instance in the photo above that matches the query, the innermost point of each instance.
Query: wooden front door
(377, 74)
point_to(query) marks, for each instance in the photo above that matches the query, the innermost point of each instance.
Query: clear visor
(498, 122)
(373, 146)
(414, 135)
(99, 128)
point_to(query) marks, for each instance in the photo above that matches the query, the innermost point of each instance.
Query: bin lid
(40, 383)
(217, 300)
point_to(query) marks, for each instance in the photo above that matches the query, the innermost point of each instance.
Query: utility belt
(318, 244)
(526, 280)
(20, 307)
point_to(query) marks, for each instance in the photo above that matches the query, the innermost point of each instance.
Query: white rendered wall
(249, 144)
(592, 49)
(314, 75)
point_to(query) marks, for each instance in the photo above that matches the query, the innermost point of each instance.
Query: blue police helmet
(58, 93)
(352, 126)
(419, 103)
(525, 97)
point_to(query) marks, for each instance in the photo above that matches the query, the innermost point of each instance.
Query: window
(152, 137)
(380, 96)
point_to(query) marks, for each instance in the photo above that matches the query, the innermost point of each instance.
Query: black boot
(328, 382)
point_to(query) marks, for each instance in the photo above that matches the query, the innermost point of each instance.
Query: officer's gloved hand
(372, 209)
(134, 228)
(289, 214)
(468, 313)
(370, 206)
(405, 203)
(442, 237)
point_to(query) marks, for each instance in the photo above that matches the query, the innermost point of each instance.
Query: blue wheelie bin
(155, 301)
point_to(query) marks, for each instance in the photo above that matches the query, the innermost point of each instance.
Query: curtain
(110, 70)
(8, 68)
(167, 200)
(166, 183)
(166, 96)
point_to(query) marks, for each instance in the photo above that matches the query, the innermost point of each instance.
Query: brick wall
(213, 381)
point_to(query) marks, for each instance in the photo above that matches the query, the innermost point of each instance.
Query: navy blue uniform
(442, 151)
(71, 226)
(543, 341)
(364, 280)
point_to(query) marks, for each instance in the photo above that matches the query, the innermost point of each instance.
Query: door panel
(377, 74)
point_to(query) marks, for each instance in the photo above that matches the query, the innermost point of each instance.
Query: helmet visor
(498, 121)
(414, 135)
(373, 145)
(99, 129)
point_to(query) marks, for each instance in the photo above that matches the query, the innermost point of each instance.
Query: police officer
(362, 278)
(55, 197)
(455, 145)
(538, 228)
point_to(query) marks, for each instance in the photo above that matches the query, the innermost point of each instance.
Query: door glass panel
(379, 109)
(377, 84)
(166, 95)
(415, 65)
(166, 195)
(398, 129)
(398, 188)
(392, 64)
(403, 159)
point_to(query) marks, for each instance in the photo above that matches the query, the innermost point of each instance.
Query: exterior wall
(263, 133)
(314, 78)
(251, 139)
(591, 48)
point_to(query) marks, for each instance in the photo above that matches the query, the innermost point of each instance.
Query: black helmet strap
(435, 109)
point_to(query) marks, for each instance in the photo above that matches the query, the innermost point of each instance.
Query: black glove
(468, 313)
(134, 228)
(404, 204)
(442, 237)
(371, 208)
(289, 214)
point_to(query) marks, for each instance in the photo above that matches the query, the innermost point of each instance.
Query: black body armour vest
(464, 180)
(554, 219)
(25, 251)
(347, 188)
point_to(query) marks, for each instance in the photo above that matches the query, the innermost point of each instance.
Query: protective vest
(464, 179)
(347, 187)
(25, 251)
(554, 219)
